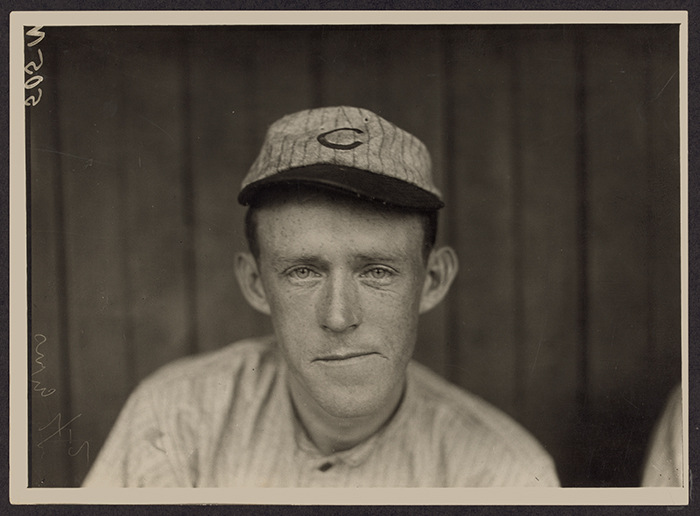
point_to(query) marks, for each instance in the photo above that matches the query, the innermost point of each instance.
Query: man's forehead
(328, 224)
(309, 207)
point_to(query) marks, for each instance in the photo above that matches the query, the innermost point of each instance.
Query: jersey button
(325, 466)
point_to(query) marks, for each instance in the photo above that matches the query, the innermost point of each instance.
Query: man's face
(343, 284)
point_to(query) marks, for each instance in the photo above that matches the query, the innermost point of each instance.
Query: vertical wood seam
(127, 290)
(581, 226)
(650, 168)
(518, 397)
(316, 66)
(188, 204)
(452, 351)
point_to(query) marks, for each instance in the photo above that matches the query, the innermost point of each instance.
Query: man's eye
(301, 273)
(378, 273)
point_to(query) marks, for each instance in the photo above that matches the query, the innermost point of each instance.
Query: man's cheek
(389, 307)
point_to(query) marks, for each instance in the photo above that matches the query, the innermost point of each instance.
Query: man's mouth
(343, 357)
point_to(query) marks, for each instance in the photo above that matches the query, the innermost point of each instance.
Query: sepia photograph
(361, 254)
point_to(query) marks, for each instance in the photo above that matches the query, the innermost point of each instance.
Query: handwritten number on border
(33, 82)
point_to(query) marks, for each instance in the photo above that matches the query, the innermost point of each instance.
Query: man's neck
(332, 434)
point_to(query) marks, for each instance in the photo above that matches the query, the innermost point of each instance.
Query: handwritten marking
(41, 339)
(35, 33)
(34, 81)
(57, 432)
(44, 392)
(60, 428)
(85, 445)
(33, 64)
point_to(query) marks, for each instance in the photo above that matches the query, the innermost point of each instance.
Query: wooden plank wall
(557, 149)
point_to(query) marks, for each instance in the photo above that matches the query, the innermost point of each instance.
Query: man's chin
(363, 387)
(345, 409)
(355, 402)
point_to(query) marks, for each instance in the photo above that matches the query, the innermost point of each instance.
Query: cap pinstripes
(345, 148)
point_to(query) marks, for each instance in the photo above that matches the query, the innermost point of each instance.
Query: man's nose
(338, 309)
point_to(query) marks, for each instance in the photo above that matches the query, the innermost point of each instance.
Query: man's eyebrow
(381, 257)
(378, 257)
(294, 259)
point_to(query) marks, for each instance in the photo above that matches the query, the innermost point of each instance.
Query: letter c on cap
(341, 146)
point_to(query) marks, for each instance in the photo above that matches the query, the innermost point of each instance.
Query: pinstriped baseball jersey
(225, 419)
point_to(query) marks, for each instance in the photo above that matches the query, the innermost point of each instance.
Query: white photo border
(19, 491)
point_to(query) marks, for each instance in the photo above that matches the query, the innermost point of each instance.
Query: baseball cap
(348, 149)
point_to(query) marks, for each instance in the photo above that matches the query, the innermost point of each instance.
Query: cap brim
(369, 185)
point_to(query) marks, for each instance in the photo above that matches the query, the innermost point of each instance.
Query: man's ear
(251, 283)
(441, 271)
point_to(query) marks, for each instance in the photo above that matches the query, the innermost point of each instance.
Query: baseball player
(341, 226)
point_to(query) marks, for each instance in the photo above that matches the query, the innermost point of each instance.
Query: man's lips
(339, 357)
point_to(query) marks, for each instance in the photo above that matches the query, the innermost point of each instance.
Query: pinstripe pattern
(224, 419)
(292, 142)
